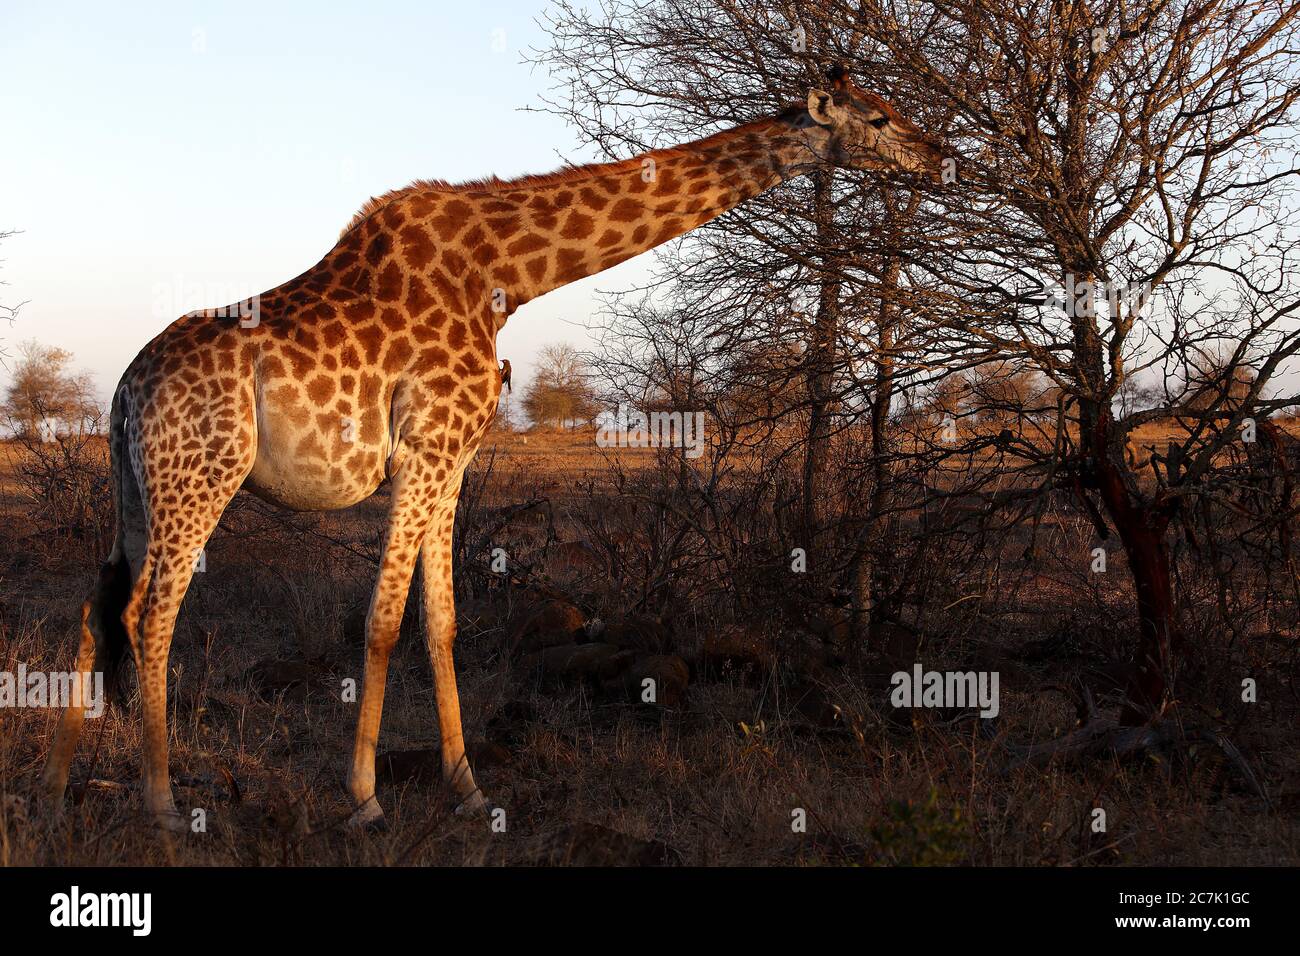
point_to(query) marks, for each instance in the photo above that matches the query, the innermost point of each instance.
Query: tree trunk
(820, 364)
(867, 610)
(1142, 525)
(1143, 530)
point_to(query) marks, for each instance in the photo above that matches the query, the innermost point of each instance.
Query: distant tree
(766, 381)
(1007, 394)
(1218, 379)
(560, 393)
(46, 392)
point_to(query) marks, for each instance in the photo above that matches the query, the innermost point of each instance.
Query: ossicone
(839, 77)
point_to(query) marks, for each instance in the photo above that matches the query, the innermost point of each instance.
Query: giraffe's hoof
(368, 817)
(473, 805)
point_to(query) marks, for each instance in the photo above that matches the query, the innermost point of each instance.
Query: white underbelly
(305, 493)
(321, 480)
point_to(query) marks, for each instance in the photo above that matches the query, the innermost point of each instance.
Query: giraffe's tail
(102, 614)
(102, 618)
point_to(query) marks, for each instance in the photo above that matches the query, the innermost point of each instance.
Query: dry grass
(261, 736)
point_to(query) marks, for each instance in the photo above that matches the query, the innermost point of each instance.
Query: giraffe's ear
(823, 108)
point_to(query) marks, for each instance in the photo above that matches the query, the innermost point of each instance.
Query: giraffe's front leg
(440, 632)
(407, 521)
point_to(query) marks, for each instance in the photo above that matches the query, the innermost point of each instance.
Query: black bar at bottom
(335, 905)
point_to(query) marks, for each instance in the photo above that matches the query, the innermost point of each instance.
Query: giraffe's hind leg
(180, 524)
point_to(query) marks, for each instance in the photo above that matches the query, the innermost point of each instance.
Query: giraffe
(379, 363)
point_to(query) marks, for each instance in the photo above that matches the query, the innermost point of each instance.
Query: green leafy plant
(916, 833)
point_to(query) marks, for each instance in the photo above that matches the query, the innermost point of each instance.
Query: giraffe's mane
(568, 173)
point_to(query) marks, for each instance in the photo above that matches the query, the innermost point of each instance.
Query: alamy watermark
(129, 910)
(631, 428)
(922, 688)
(1080, 299)
(178, 297)
(61, 689)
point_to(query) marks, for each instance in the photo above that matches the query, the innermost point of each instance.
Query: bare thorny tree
(771, 315)
(1142, 161)
(1115, 250)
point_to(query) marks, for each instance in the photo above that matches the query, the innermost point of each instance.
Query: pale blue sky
(161, 157)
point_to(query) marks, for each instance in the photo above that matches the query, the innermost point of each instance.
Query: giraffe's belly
(297, 493)
(296, 471)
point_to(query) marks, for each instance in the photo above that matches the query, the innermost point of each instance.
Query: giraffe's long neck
(602, 215)
(511, 242)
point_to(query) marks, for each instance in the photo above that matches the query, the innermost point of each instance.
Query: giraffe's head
(865, 132)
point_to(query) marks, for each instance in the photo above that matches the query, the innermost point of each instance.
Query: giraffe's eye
(880, 122)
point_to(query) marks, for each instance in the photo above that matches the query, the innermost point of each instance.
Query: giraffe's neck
(599, 216)
(504, 243)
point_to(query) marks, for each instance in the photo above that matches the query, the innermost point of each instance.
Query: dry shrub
(65, 483)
